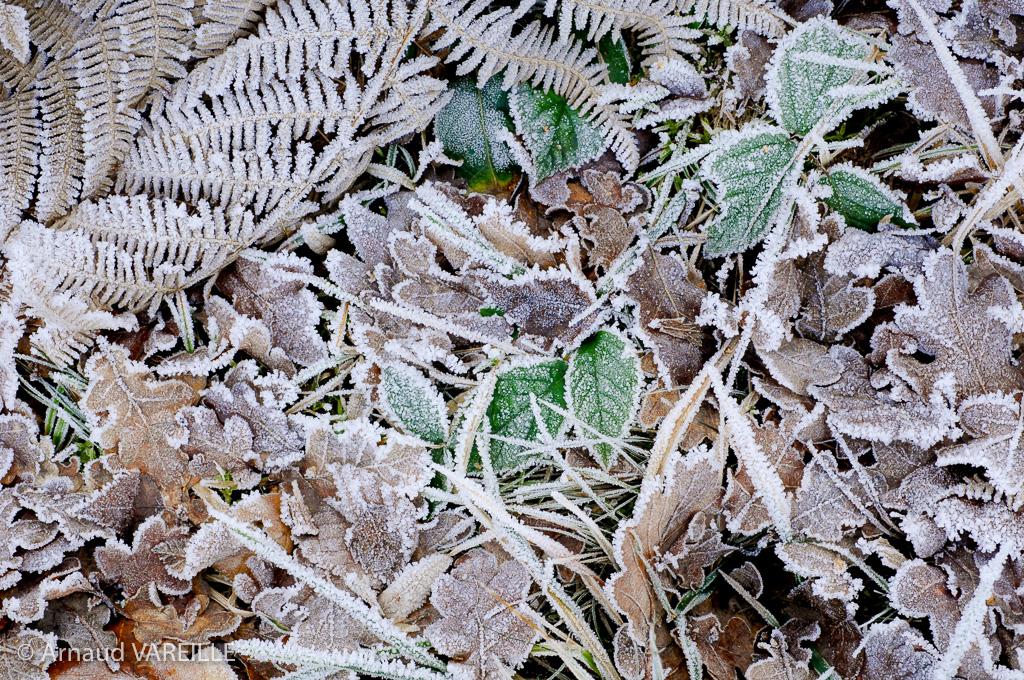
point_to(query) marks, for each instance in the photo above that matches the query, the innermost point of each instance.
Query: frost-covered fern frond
(251, 146)
(237, 148)
(124, 59)
(53, 31)
(19, 155)
(17, 76)
(62, 163)
(130, 253)
(108, 125)
(163, 232)
(53, 27)
(156, 34)
(760, 16)
(296, 37)
(14, 34)
(486, 42)
(68, 325)
(69, 261)
(226, 20)
(662, 32)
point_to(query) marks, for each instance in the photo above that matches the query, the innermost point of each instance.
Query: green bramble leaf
(555, 135)
(819, 74)
(751, 169)
(603, 383)
(863, 199)
(469, 126)
(414, 403)
(510, 415)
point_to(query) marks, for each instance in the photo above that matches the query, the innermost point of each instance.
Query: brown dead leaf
(134, 413)
(290, 311)
(136, 567)
(543, 302)
(723, 647)
(746, 511)
(664, 511)
(215, 448)
(195, 624)
(483, 616)
(662, 289)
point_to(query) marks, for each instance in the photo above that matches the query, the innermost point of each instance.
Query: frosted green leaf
(414, 402)
(751, 169)
(616, 55)
(470, 125)
(510, 415)
(808, 65)
(556, 136)
(863, 199)
(603, 384)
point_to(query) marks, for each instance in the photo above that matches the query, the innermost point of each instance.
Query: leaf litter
(638, 340)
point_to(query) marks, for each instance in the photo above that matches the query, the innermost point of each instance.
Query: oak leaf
(955, 325)
(667, 506)
(543, 303)
(25, 654)
(484, 620)
(274, 439)
(138, 566)
(195, 624)
(215, 448)
(134, 413)
(290, 311)
(664, 292)
(79, 620)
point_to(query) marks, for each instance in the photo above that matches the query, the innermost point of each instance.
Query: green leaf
(491, 311)
(469, 126)
(751, 169)
(510, 415)
(414, 403)
(603, 383)
(863, 199)
(556, 136)
(809, 64)
(616, 56)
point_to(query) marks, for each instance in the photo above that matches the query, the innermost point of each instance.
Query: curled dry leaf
(859, 409)
(654, 543)
(544, 303)
(724, 648)
(663, 291)
(25, 654)
(313, 621)
(748, 59)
